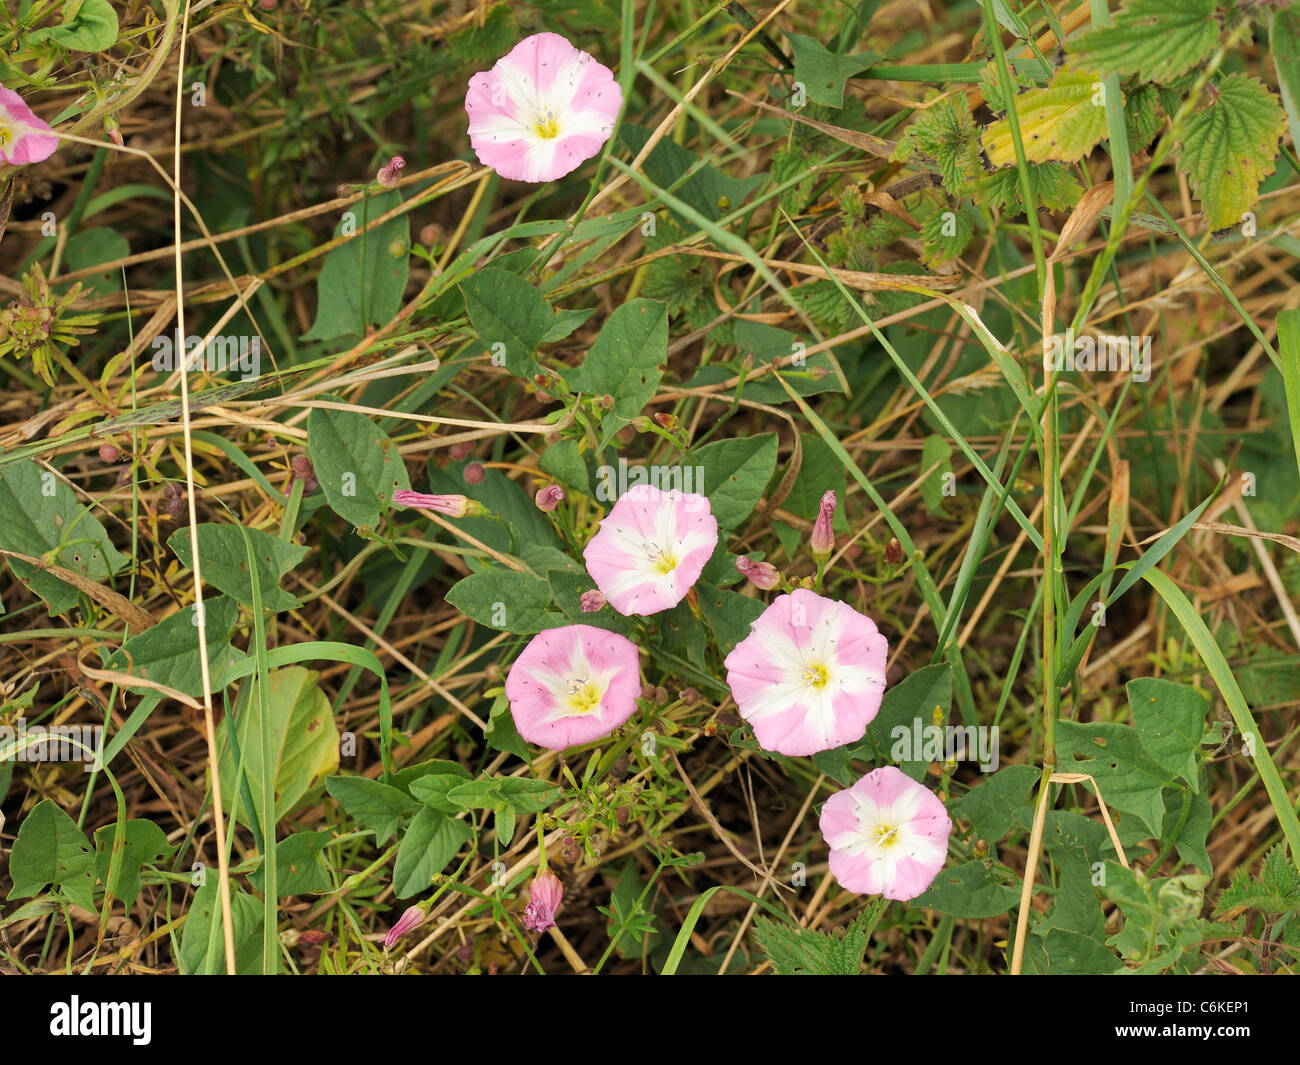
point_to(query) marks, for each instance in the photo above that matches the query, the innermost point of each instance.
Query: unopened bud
(474, 473)
(391, 172)
(109, 453)
(893, 551)
(762, 575)
(822, 540)
(592, 601)
(548, 498)
(460, 451)
(665, 420)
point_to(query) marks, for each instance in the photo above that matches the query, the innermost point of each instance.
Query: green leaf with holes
(224, 561)
(41, 516)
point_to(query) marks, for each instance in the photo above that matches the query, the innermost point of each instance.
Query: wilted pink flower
(810, 674)
(651, 548)
(542, 110)
(24, 138)
(391, 172)
(572, 685)
(544, 896)
(409, 920)
(888, 835)
(548, 498)
(761, 575)
(452, 506)
(592, 601)
(822, 540)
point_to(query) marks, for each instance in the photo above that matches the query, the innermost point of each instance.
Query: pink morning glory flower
(542, 110)
(888, 835)
(24, 138)
(452, 506)
(651, 548)
(572, 685)
(810, 674)
(544, 896)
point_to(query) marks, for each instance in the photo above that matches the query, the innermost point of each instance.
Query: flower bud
(409, 920)
(460, 451)
(391, 172)
(762, 575)
(592, 601)
(109, 453)
(665, 420)
(474, 473)
(545, 894)
(453, 506)
(822, 540)
(548, 498)
(893, 551)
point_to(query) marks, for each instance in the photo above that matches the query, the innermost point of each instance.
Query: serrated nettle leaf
(624, 362)
(377, 807)
(1230, 146)
(823, 72)
(168, 653)
(357, 466)
(40, 515)
(303, 738)
(50, 850)
(735, 474)
(432, 841)
(1284, 44)
(507, 600)
(352, 296)
(1170, 720)
(510, 317)
(225, 564)
(1061, 122)
(1157, 39)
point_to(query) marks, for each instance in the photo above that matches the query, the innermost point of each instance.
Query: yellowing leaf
(1230, 147)
(1062, 122)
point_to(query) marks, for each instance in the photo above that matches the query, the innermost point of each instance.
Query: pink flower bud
(389, 174)
(474, 473)
(544, 897)
(762, 575)
(822, 541)
(451, 505)
(592, 601)
(109, 453)
(461, 450)
(548, 498)
(408, 921)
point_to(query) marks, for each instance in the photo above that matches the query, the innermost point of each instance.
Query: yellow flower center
(546, 126)
(816, 677)
(886, 835)
(5, 133)
(664, 562)
(583, 697)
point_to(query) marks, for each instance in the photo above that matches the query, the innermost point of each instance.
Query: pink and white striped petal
(810, 675)
(542, 110)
